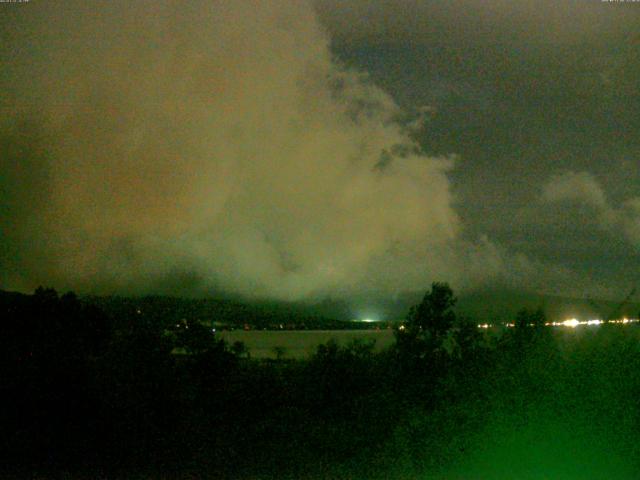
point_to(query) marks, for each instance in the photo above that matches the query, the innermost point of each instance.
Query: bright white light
(368, 320)
(574, 322)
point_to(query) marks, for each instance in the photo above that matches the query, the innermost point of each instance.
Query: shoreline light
(569, 323)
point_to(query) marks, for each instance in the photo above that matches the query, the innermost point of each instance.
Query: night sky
(296, 150)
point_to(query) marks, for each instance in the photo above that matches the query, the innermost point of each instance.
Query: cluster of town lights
(572, 323)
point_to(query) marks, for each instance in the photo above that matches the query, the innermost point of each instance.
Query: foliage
(527, 318)
(127, 396)
(426, 333)
(240, 350)
(434, 315)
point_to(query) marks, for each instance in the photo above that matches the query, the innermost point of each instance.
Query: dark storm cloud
(477, 21)
(248, 146)
(521, 91)
(212, 144)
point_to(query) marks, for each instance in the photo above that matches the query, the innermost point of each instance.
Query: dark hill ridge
(487, 306)
(502, 307)
(493, 307)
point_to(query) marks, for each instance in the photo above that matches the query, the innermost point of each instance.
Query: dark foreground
(89, 396)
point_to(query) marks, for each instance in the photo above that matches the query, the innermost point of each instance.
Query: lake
(301, 344)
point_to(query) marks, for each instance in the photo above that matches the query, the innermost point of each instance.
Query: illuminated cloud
(215, 143)
(582, 188)
(184, 148)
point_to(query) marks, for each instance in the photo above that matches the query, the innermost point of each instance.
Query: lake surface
(300, 344)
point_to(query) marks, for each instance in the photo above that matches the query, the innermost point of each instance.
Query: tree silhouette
(526, 318)
(427, 324)
(434, 315)
(194, 337)
(529, 332)
(279, 351)
(240, 350)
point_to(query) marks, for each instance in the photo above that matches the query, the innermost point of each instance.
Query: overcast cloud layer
(583, 190)
(153, 145)
(291, 150)
(523, 92)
